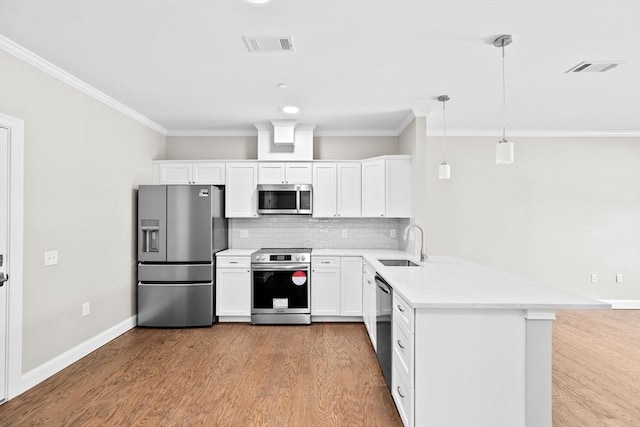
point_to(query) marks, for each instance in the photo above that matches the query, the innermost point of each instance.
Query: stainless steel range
(280, 292)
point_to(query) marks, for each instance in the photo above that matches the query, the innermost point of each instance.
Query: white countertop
(237, 252)
(448, 282)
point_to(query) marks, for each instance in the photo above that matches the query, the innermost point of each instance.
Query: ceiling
(358, 67)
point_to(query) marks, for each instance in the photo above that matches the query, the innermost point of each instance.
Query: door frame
(15, 127)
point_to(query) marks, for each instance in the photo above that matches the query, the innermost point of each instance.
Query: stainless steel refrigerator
(180, 228)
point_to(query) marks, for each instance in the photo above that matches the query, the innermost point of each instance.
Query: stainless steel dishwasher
(383, 327)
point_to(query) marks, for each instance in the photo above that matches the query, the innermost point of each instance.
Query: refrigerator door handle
(173, 284)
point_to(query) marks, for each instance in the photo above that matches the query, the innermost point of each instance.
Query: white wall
(566, 208)
(353, 147)
(83, 161)
(245, 147)
(212, 147)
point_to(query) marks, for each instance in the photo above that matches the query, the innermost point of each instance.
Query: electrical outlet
(86, 309)
(50, 257)
(619, 278)
(594, 278)
(392, 232)
(344, 233)
(244, 234)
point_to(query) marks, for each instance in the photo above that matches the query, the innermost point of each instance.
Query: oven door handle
(304, 267)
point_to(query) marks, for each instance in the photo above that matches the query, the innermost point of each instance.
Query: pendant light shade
(504, 148)
(504, 152)
(444, 171)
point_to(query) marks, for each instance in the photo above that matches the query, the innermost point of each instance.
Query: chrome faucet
(423, 254)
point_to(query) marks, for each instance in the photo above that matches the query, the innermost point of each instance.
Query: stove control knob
(264, 258)
(297, 257)
(257, 257)
(303, 257)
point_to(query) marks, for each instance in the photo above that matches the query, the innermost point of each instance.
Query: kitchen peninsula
(471, 345)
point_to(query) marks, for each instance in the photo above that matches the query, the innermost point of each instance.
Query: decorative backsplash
(282, 231)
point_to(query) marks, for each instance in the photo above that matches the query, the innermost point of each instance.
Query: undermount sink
(398, 263)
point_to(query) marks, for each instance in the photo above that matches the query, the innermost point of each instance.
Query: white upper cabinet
(175, 173)
(386, 188)
(336, 189)
(284, 173)
(324, 190)
(241, 190)
(373, 188)
(209, 173)
(271, 173)
(349, 189)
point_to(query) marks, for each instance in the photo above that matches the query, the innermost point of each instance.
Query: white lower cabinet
(336, 286)
(402, 359)
(325, 286)
(369, 302)
(233, 286)
(351, 286)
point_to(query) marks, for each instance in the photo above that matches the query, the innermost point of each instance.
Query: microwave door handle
(297, 201)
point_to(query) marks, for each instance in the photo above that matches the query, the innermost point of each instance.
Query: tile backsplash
(288, 231)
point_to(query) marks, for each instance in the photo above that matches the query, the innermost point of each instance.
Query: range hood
(283, 131)
(285, 140)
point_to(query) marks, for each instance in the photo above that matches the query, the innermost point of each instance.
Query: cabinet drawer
(333, 262)
(403, 352)
(228, 261)
(403, 396)
(403, 313)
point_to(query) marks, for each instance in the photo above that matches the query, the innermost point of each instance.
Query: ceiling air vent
(269, 44)
(593, 67)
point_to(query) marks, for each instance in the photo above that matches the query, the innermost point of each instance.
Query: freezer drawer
(170, 305)
(175, 272)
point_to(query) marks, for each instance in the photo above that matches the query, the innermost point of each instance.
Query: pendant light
(444, 170)
(504, 148)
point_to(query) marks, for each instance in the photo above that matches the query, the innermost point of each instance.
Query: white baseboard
(624, 304)
(234, 319)
(58, 363)
(336, 319)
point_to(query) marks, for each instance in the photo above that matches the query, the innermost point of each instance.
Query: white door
(4, 226)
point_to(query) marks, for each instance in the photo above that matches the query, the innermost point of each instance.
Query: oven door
(277, 200)
(280, 289)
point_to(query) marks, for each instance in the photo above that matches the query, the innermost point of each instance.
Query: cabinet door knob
(400, 308)
(400, 392)
(400, 344)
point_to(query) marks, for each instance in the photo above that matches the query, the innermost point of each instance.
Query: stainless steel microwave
(284, 199)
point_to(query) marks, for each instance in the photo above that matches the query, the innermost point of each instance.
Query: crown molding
(411, 115)
(187, 132)
(355, 132)
(535, 133)
(25, 55)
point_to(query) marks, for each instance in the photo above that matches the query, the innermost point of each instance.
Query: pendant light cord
(444, 132)
(504, 101)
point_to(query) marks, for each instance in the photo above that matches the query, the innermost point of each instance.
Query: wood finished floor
(321, 375)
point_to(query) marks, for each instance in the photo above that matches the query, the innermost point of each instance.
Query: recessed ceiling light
(282, 85)
(257, 1)
(290, 109)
